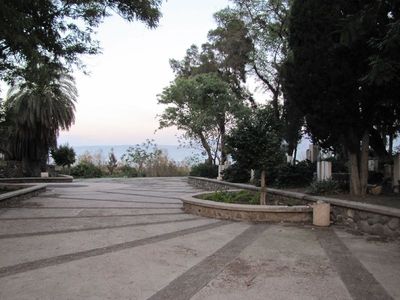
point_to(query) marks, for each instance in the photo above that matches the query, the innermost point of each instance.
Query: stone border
(244, 212)
(25, 192)
(368, 218)
(58, 179)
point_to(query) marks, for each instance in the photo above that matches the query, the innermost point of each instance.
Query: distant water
(174, 152)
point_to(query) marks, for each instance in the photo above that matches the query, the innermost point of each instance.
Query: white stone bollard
(44, 174)
(221, 168)
(321, 214)
(324, 170)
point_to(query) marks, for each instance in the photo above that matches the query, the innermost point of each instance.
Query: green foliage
(64, 155)
(256, 143)
(241, 197)
(128, 171)
(325, 187)
(36, 109)
(204, 170)
(86, 170)
(58, 32)
(149, 160)
(298, 175)
(139, 156)
(235, 173)
(203, 106)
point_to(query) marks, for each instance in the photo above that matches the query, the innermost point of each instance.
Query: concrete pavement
(129, 239)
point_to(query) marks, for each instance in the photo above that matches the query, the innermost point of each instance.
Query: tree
(59, 31)
(140, 155)
(35, 112)
(254, 34)
(256, 143)
(112, 162)
(64, 155)
(203, 106)
(330, 45)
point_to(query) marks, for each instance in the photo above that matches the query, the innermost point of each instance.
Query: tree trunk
(31, 168)
(294, 154)
(263, 192)
(355, 184)
(364, 164)
(223, 151)
(207, 148)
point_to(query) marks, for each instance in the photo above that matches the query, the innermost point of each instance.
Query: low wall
(241, 212)
(59, 179)
(368, 218)
(20, 192)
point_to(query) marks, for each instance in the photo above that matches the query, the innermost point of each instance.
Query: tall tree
(254, 33)
(330, 45)
(256, 143)
(59, 31)
(35, 112)
(203, 106)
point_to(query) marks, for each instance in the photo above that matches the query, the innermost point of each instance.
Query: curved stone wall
(242, 212)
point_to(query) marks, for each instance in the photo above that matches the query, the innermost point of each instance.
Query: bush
(235, 173)
(86, 170)
(128, 171)
(63, 156)
(204, 170)
(325, 187)
(298, 175)
(241, 197)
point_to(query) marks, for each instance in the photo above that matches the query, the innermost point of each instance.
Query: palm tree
(37, 109)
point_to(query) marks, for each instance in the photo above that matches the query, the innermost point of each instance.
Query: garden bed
(196, 204)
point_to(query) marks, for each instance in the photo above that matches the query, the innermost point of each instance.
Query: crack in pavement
(66, 258)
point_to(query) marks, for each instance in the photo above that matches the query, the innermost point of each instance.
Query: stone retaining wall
(242, 212)
(10, 169)
(20, 192)
(367, 218)
(59, 179)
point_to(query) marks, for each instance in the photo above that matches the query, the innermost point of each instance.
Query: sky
(117, 102)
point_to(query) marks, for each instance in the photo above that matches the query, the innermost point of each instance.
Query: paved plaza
(129, 239)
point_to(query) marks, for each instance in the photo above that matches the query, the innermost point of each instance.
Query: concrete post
(324, 170)
(321, 214)
(252, 175)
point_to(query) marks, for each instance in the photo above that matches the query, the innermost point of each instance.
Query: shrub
(297, 175)
(235, 173)
(325, 187)
(241, 197)
(63, 156)
(86, 170)
(204, 170)
(128, 171)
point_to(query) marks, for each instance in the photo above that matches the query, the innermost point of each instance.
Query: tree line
(329, 69)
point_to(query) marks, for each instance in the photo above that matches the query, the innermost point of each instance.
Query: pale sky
(118, 100)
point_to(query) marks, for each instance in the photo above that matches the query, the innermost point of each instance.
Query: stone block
(321, 214)
(377, 229)
(364, 226)
(394, 223)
